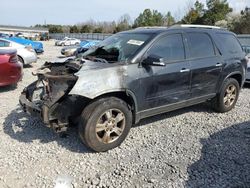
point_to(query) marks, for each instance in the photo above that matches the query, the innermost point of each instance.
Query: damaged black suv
(136, 74)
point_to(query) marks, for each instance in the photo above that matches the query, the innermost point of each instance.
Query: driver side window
(170, 48)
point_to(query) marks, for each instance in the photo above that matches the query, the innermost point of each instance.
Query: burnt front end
(48, 97)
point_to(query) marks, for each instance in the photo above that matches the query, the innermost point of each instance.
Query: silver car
(68, 42)
(26, 55)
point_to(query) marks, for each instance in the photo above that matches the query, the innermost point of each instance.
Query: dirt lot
(192, 147)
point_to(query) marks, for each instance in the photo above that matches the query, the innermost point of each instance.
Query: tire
(105, 111)
(63, 44)
(77, 43)
(225, 100)
(20, 60)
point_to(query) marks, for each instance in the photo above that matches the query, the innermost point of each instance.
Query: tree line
(217, 12)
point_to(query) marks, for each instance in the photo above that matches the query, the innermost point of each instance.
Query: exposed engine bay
(48, 95)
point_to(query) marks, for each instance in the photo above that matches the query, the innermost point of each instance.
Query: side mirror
(153, 60)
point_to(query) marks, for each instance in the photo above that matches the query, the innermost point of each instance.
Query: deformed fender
(94, 83)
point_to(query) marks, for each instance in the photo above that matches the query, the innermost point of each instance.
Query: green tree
(195, 14)
(98, 30)
(55, 28)
(123, 23)
(73, 29)
(85, 29)
(217, 10)
(149, 18)
(242, 26)
(169, 19)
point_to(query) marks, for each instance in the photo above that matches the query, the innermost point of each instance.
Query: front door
(169, 84)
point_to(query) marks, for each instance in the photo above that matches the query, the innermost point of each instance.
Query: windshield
(120, 47)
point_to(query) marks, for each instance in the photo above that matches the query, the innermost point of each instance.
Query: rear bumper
(30, 58)
(39, 51)
(12, 74)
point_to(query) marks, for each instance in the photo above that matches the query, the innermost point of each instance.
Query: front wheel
(105, 123)
(228, 96)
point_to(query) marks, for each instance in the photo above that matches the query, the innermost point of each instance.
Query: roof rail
(196, 26)
(152, 27)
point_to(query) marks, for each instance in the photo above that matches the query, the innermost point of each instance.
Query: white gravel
(192, 147)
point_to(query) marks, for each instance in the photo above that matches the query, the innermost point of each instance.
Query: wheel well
(237, 77)
(81, 102)
(20, 58)
(123, 96)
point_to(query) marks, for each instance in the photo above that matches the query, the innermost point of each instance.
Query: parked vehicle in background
(248, 69)
(68, 42)
(3, 35)
(246, 49)
(11, 70)
(69, 50)
(26, 55)
(73, 50)
(137, 74)
(37, 46)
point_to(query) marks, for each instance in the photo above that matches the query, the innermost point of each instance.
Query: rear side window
(230, 43)
(200, 45)
(4, 43)
(170, 48)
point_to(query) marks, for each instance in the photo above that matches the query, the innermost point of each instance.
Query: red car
(10, 70)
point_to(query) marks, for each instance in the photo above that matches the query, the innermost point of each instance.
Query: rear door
(205, 62)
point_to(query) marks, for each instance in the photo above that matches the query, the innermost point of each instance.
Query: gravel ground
(191, 147)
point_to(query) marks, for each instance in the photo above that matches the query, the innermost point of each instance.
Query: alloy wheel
(110, 126)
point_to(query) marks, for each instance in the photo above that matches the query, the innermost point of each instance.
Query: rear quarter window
(229, 43)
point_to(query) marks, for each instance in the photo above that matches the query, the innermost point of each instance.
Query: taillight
(13, 59)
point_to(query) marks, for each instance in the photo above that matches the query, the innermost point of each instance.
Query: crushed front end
(48, 97)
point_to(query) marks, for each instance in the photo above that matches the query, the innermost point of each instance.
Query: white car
(26, 55)
(68, 42)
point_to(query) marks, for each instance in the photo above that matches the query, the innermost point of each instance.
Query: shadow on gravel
(24, 128)
(247, 86)
(225, 159)
(203, 107)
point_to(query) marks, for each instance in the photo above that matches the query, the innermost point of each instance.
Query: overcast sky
(31, 12)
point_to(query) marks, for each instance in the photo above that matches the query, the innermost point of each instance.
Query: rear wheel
(20, 60)
(105, 123)
(227, 98)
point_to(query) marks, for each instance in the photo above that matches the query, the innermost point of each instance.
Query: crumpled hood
(91, 65)
(96, 78)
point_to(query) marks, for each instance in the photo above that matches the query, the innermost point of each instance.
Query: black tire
(218, 102)
(94, 113)
(20, 60)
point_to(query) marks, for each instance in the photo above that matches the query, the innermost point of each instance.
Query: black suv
(136, 74)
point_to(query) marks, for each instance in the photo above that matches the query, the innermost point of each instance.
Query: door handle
(184, 70)
(218, 64)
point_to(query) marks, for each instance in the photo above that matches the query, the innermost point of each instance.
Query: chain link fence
(81, 36)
